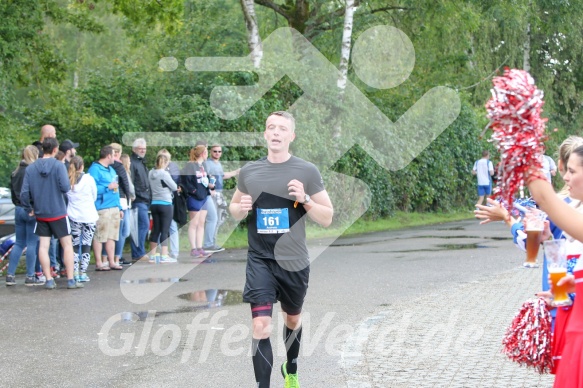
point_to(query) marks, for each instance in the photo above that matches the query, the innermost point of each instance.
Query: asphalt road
(184, 324)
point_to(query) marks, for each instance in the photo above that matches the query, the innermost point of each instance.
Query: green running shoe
(291, 379)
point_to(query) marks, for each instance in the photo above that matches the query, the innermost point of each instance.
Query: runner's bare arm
(320, 208)
(240, 205)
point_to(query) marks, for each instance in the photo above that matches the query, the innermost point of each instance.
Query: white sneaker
(167, 259)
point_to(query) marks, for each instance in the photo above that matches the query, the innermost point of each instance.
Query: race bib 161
(272, 221)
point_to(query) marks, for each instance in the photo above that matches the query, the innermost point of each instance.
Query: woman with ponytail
(82, 214)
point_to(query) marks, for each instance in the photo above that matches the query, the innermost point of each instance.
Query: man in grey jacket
(45, 183)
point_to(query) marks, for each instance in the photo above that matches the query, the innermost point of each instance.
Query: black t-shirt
(273, 217)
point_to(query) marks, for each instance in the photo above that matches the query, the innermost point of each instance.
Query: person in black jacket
(25, 223)
(125, 198)
(139, 175)
(196, 184)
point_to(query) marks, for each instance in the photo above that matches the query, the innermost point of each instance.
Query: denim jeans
(210, 225)
(25, 237)
(139, 250)
(174, 240)
(54, 252)
(124, 232)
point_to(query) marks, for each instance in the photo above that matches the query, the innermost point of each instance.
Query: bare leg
(480, 200)
(192, 230)
(43, 256)
(97, 252)
(110, 250)
(200, 228)
(68, 255)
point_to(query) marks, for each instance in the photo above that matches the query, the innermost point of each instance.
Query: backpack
(7, 244)
(180, 208)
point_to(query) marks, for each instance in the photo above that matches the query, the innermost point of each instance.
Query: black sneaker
(34, 281)
(10, 280)
(123, 261)
(214, 249)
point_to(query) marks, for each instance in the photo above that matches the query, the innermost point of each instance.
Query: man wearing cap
(69, 149)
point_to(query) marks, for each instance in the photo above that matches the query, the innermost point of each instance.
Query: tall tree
(253, 38)
(346, 44)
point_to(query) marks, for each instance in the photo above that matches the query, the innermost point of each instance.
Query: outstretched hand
(494, 212)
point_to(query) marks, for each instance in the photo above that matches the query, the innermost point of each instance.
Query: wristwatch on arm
(307, 199)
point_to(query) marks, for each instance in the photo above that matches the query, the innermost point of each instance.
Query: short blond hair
(162, 161)
(164, 152)
(117, 148)
(29, 154)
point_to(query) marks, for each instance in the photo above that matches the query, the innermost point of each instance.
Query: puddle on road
(354, 244)
(455, 237)
(445, 247)
(202, 300)
(214, 297)
(153, 280)
(455, 247)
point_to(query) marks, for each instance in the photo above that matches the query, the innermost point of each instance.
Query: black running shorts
(267, 281)
(58, 228)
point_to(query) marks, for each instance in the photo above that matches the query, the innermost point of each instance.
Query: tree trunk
(526, 50)
(346, 44)
(345, 56)
(472, 53)
(253, 38)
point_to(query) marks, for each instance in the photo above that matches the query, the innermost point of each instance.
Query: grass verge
(400, 220)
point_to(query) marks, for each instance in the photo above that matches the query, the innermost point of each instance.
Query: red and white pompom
(518, 130)
(528, 338)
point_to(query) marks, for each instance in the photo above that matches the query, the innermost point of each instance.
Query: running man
(278, 191)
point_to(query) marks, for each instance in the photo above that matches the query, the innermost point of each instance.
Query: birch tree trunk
(526, 50)
(344, 58)
(253, 38)
(346, 45)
